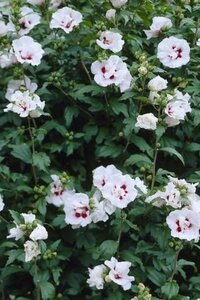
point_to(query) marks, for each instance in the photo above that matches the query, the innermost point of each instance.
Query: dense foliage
(74, 123)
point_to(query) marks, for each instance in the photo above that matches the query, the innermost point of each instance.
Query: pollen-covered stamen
(106, 41)
(183, 225)
(178, 229)
(103, 70)
(81, 212)
(118, 276)
(121, 191)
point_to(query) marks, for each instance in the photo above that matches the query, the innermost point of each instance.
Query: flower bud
(142, 70)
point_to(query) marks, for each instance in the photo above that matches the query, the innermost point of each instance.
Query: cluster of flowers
(22, 98)
(184, 220)
(178, 105)
(173, 53)
(111, 271)
(112, 70)
(113, 190)
(21, 93)
(31, 228)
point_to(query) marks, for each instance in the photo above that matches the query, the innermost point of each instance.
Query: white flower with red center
(173, 52)
(66, 18)
(21, 103)
(29, 19)
(119, 273)
(156, 85)
(120, 190)
(118, 3)
(184, 224)
(111, 71)
(110, 40)
(172, 196)
(102, 175)
(77, 210)
(25, 104)
(58, 193)
(96, 276)
(31, 250)
(27, 50)
(177, 107)
(22, 85)
(158, 26)
(147, 121)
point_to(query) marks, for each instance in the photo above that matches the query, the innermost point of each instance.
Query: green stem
(4, 220)
(175, 264)
(154, 167)
(120, 233)
(33, 149)
(85, 68)
(38, 294)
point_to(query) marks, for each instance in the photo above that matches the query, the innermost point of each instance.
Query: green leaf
(173, 152)
(170, 289)
(22, 152)
(137, 158)
(47, 290)
(41, 161)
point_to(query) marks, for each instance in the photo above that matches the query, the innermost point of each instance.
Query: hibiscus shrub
(100, 148)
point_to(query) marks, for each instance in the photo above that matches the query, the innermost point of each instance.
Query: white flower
(36, 2)
(66, 18)
(118, 3)
(119, 273)
(15, 233)
(21, 103)
(159, 24)
(28, 218)
(177, 108)
(27, 50)
(173, 52)
(36, 113)
(112, 71)
(77, 210)
(147, 121)
(110, 14)
(39, 233)
(96, 276)
(183, 184)
(184, 224)
(120, 190)
(3, 28)
(102, 175)
(29, 19)
(140, 186)
(156, 85)
(1, 203)
(31, 250)
(7, 58)
(58, 193)
(21, 85)
(110, 40)
(198, 42)
(55, 3)
(98, 209)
